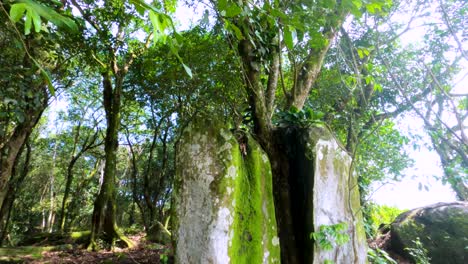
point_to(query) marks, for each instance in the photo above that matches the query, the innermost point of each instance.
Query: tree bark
(10, 151)
(13, 189)
(104, 206)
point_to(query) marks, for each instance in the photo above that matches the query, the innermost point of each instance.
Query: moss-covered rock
(442, 229)
(223, 208)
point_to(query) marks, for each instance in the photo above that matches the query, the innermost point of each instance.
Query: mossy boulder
(442, 229)
(223, 208)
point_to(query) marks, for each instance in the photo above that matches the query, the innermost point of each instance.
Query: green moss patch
(254, 226)
(15, 254)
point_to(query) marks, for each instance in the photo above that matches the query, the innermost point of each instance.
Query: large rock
(325, 193)
(442, 228)
(223, 208)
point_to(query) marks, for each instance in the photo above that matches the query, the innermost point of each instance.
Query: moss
(241, 184)
(254, 227)
(33, 251)
(443, 231)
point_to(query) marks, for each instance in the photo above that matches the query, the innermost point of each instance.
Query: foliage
(377, 216)
(301, 118)
(330, 236)
(418, 252)
(379, 256)
(34, 11)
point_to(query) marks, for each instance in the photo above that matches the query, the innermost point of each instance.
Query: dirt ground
(143, 252)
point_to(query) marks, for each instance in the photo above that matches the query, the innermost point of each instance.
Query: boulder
(442, 229)
(223, 208)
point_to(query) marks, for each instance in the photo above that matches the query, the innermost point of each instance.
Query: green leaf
(50, 15)
(141, 4)
(160, 24)
(378, 87)
(28, 23)
(48, 80)
(237, 31)
(36, 20)
(233, 10)
(222, 4)
(187, 70)
(288, 37)
(17, 11)
(330, 4)
(170, 5)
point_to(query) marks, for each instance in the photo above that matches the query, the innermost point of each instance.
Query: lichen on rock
(324, 192)
(223, 208)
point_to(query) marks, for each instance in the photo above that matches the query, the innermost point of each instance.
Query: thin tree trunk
(89, 143)
(104, 206)
(51, 218)
(10, 151)
(64, 209)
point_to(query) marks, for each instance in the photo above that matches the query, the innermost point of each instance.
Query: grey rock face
(223, 200)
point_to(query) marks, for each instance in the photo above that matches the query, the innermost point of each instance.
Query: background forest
(129, 83)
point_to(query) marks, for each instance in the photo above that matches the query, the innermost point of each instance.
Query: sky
(411, 192)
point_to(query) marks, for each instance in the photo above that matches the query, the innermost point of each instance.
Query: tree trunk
(11, 151)
(69, 180)
(13, 189)
(104, 206)
(283, 207)
(284, 183)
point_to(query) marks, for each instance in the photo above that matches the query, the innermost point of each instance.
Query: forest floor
(143, 252)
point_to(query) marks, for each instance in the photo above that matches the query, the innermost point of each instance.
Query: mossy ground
(16, 254)
(144, 252)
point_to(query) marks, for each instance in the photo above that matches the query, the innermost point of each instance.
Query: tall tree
(282, 46)
(113, 43)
